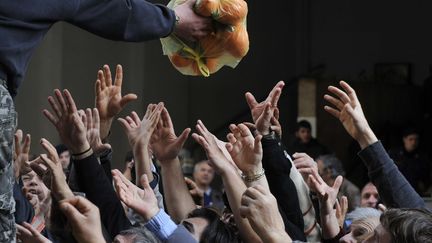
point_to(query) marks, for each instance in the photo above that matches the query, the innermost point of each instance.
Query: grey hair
(140, 235)
(333, 164)
(362, 213)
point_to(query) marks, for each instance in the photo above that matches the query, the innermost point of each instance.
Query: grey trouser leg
(7, 180)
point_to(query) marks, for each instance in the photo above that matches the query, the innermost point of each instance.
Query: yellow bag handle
(202, 67)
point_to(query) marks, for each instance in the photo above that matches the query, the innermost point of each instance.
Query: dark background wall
(326, 39)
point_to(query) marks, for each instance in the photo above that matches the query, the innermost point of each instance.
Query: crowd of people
(270, 194)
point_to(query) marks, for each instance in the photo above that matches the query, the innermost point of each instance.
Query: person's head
(369, 196)
(203, 173)
(304, 131)
(363, 222)
(136, 235)
(34, 185)
(329, 167)
(64, 155)
(206, 226)
(410, 139)
(403, 225)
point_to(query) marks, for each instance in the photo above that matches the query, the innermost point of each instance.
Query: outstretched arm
(166, 147)
(108, 97)
(392, 186)
(233, 184)
(139, 133)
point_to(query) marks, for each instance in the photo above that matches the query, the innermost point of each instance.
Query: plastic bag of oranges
(226, 46)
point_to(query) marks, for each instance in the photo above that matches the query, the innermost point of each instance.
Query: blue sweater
(24, 23)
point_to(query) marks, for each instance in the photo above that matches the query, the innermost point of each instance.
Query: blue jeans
(8, 121)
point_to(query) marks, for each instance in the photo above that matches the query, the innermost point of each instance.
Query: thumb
(71, 213)
(182, 138)
(257, 144)
(338, 182)
(145, 182)
(127, 98)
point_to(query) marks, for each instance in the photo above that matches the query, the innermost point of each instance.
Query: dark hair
(410, 131)
(60, 148)
(303, 124)
(140, 235)
(333, 164)
(129, 156)
(217, 230)
(408, 225)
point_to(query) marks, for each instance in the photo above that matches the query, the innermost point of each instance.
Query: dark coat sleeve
(277, 169)
(392, 186)
(99, 190)
(127, 20)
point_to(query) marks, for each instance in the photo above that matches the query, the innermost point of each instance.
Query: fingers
(332, 111)
(338, 182)
(276, 114)
(350, 91)
(275, 97)
(50, 149)
(96, 118)
(89, 119)
(107, 75)
(267, 114)
(60, 104)
(98, 88)
(18, 138)
(250, 99)
(101, 77)
(30, 228)
(80, 204)
(70, 101)
(118, 76)
(183, 137)
(334, 101)
(257, 144)
(145, 182)
(124, 124)
(166, 119)
(127, 98)
(342, 95)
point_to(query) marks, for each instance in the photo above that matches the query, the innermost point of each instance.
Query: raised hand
(245, 150)
(326, 194)
(260, 207)
(275, 124)
(263, 112)
(53, 176)
(108, 98)
(341, 210)
(196, 193)
(139, 131)
(67, 121)
(92, 123)
(26, 233)
(143, 201)
(348, 110)
(164, 142)
(84, 218)
(304, 164)
(22, 150)
(220, 160)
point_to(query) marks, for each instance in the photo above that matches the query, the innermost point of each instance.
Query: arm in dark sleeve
(392, 186)
(24, 211)
(99, 190)
(128, 20)
(277, 169)
(105, 161)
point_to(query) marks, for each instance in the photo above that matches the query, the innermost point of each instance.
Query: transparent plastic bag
(225, 47)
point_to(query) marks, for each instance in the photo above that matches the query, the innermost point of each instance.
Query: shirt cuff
(161, 225)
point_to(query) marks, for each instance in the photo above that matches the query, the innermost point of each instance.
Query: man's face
(65, 159)
(324, 173)
(195, 226)
(34, 185)
(304, 134)
(369, 196)
(203, 174)
(411, 142)
(380, 235)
